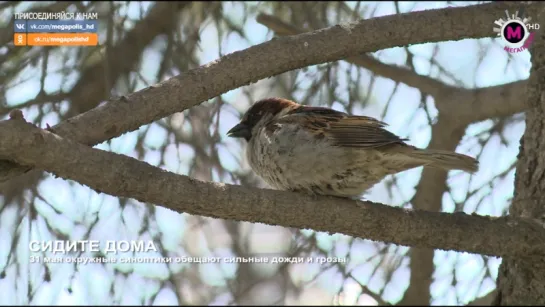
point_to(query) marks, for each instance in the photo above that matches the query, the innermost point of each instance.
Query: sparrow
(322, 151)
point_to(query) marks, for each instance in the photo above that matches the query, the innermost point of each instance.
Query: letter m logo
(516, 33)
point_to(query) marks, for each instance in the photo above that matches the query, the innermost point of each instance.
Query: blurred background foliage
(142, 43)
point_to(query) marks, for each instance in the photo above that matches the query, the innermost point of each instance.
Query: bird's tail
(443, 159)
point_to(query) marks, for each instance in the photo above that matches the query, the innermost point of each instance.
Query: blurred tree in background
(466, 95)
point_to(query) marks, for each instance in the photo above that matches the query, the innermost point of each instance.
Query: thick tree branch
(471, 104)
(123, 176)
(396, 73)
(269, 59)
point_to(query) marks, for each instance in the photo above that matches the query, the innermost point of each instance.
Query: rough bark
(123, 176)
(521, 280)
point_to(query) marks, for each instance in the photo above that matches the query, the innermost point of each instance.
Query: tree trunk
(521, 281)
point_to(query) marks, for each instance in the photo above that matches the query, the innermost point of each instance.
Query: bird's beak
(240, 131)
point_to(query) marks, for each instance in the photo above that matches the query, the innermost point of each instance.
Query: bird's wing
(342, 129)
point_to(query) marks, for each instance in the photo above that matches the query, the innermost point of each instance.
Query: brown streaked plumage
(322, 151)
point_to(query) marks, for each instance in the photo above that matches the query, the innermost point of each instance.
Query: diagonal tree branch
(426, 84)
(123, 176)
(269, 59)
(472, 104)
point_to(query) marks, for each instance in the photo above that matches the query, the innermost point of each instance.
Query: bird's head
(259, 115)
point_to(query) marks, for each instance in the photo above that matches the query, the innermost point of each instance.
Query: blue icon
(19, 26)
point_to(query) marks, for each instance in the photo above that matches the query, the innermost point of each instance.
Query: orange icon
(19, 39)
